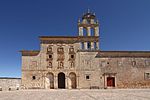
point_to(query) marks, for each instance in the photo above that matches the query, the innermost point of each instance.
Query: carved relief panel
(72, 57)
(60, 57)
(49, 56)
(60, 54)
(60, 65)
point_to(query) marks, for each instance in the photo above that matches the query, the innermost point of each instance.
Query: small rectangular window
(147, 76)
(33, 77)
(87, 77)
(50, 56)
(72, 56)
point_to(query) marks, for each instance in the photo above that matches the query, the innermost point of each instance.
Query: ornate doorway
(49, 81)
(61, 80)
(110, 81)
(72, 77)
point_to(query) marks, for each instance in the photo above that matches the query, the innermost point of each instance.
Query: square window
(33, 77)
(72, 56)
(87, 77)
(147, 76)
(50, 56)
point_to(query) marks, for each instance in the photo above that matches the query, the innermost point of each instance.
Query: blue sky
(124, 25)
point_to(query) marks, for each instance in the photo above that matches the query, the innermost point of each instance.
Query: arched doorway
(61, 80)
(49, 83)
(72, 77)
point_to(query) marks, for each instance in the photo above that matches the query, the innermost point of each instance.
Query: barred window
(147, 76)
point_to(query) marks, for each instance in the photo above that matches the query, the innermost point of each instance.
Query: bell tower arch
(88, 26)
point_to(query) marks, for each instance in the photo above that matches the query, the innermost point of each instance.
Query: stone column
(66, 82)
(44, 78)
(77, 82)
(80, 31)
(81, 45)
(97, 45)
(88, 31)
(97, 31)
(85, 45)
(92, 46)
(55, 82)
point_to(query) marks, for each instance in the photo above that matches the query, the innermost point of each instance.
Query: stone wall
(9, 84)
(38, 66)
(128, 72)
(91, 71)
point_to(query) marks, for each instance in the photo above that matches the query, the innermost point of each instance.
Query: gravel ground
(101, 94)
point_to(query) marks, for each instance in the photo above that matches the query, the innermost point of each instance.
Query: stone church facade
(77, 62)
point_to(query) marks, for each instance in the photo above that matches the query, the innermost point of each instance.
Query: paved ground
(108, 94)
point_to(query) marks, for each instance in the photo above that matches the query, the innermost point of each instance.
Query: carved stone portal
(72, 77)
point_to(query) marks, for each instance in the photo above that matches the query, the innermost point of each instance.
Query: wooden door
(110, 81)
